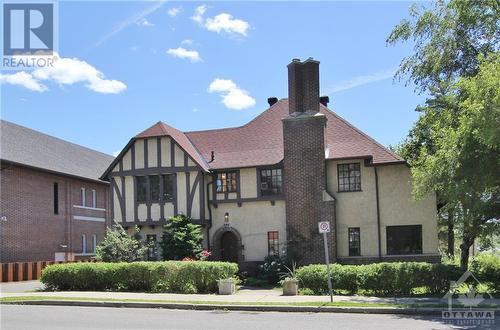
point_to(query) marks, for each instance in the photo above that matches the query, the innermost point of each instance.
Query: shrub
(118, 246)
(486, 267)
(167, 276)
(181, 239)
(273, 268)
(380, 278)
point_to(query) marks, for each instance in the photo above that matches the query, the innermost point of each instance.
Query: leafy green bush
(273, 268)
(380, 278)
(167, 276)
(181, 239)
(486, 267)
(119, 246)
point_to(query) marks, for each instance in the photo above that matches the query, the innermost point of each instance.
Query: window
(94, 198)
(84, 243)
(349, 176)
(141, 189)
(354, 242)
(82, 196)
(56, 198)
(154, 188)
(271, 182)
(151, 244)
(94, 243)
(168, 187)
(273, 243)
(226, 182)
(404, 239)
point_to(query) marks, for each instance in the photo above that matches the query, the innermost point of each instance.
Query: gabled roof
(27, 147)
(260, 142)
(162, 129)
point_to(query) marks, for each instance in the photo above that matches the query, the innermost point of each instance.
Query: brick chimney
(307, 201)
(303, 86)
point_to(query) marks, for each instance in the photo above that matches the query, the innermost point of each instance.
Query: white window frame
(83, 196)
(94, 243)
(94, 198)
(84, 243)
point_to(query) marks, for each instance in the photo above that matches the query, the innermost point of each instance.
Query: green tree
(448, 39)
(181, 239)
(464, 165)
(451, 41)
(118, 246)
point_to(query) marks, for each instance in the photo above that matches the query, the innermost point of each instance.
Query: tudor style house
(52, 204)
(261, 189)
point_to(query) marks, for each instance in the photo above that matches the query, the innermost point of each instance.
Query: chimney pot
(272, 100)
(324, 100)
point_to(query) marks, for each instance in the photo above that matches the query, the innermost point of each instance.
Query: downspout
(378, 214)
(209, 214)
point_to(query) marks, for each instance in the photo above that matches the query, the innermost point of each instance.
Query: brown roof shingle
(260, 142)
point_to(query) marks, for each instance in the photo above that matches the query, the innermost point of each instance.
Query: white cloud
(223, 22)
(24, 79)
(198, 14)
(180, 52)
(174, 11)
(130, 20)
(66, 71)
(144, 22)
(362, 80)
(233, 97)
(196, 109)
(187, 42)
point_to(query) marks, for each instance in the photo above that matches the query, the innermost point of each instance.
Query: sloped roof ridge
(385, 149)
(54, 138)
(238, 127)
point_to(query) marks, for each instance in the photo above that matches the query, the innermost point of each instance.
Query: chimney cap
(324, 100)
(272, 100)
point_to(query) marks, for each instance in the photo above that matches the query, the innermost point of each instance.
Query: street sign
(324, 227)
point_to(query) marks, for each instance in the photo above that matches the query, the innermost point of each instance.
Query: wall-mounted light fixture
(226, 217)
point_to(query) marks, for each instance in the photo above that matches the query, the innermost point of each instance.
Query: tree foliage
(448, 39)
(453, 147)
(181, 239)
(119, 246)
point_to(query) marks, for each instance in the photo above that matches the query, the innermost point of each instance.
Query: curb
(249, 308)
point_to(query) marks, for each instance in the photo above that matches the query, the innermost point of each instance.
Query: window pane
(404, 239)
(168, 187)
(271, 182)
(349, 177)
(273, 243)
(154, 188)
(354, 242)
(141, 189)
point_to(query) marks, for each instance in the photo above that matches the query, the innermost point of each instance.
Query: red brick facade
(32, 231)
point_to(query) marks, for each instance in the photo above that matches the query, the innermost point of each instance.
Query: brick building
(53, 205)
(262, 188)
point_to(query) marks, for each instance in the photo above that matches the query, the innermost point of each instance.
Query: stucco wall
(396, 206)
(252, 220)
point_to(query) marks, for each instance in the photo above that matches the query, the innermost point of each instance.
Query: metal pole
(327, 257)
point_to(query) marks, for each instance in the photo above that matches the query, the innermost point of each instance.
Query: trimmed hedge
(486, 267)
(167, 276)
(380, 278)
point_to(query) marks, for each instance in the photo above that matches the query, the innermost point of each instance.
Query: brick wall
(32, 231)
(305, 186)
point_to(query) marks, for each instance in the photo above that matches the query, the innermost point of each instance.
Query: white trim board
(89, 208)
(82, 217)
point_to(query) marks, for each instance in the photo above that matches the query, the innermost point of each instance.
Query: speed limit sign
(324, 227)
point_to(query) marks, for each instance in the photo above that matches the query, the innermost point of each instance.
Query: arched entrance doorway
(229, 249)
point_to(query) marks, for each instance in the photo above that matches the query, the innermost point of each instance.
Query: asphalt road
(52, 317)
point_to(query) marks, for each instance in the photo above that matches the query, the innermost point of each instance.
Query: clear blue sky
(129, 43)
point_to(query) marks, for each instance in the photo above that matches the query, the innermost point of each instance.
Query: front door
(229, 247)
